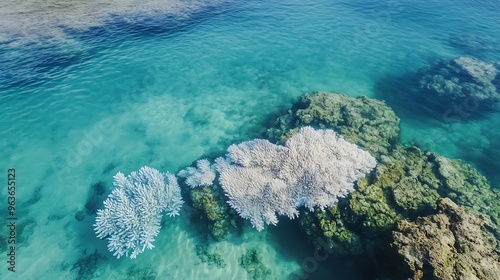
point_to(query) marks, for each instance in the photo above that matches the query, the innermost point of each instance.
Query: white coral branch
(203, 175)
(132, 212)
(313, 169)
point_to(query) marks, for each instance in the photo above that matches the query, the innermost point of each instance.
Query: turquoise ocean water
(90, 90)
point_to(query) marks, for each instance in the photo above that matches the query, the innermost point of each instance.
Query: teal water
(87, 92)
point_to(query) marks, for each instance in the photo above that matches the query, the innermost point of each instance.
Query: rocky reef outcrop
(463, 80)
(366, 122)
(406, 183)
(211, 204)
(451, 244)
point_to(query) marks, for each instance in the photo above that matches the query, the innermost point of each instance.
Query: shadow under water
(289, 240)
(445, 121)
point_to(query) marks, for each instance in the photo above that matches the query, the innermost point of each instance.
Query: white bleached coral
(202, 175)
(132, 212)
(313, 169)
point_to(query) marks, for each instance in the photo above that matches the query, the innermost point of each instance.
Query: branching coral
(202, 175)
(132, 212)
(313, 169)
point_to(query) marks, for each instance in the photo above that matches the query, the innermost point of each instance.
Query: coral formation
(210, 258)
(132, 212)
(313, 169)
(452, 244)
(141, 272)
(366, 122)
(202, 175)
(406, 182)
(87, 267)
(458, 79)
(403, 187)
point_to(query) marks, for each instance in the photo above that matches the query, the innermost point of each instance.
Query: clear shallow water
(164, 88)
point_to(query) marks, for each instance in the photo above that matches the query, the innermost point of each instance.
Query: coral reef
(468, 188)
(452, 244)
(87, 267)
(141, 272)
(313, 169)
(405, 184)
(210, 202)
(132, 212)
(461, 79)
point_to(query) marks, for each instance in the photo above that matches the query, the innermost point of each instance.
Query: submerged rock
(406, 183)
(403, 185)
(211, 203)
(452, 244)
(363, 121)
(468, 188)
(464, 80)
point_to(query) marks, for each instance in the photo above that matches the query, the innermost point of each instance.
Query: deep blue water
(163, 86)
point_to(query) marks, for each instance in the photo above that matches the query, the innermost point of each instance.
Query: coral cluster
(205, 256)
(132, 212)
(254, 264)
(458, 79)
(313, 169)
(405, 184)
(400, 201)
(202, 175)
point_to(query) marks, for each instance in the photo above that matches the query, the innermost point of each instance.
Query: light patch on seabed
(29, 20)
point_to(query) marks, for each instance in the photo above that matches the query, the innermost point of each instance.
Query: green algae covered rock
(366, 122)
(211, 203)
(330, 230)
(406, 183)
(402, 185)
(450, 244)
(399, 187)
(468, 188)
